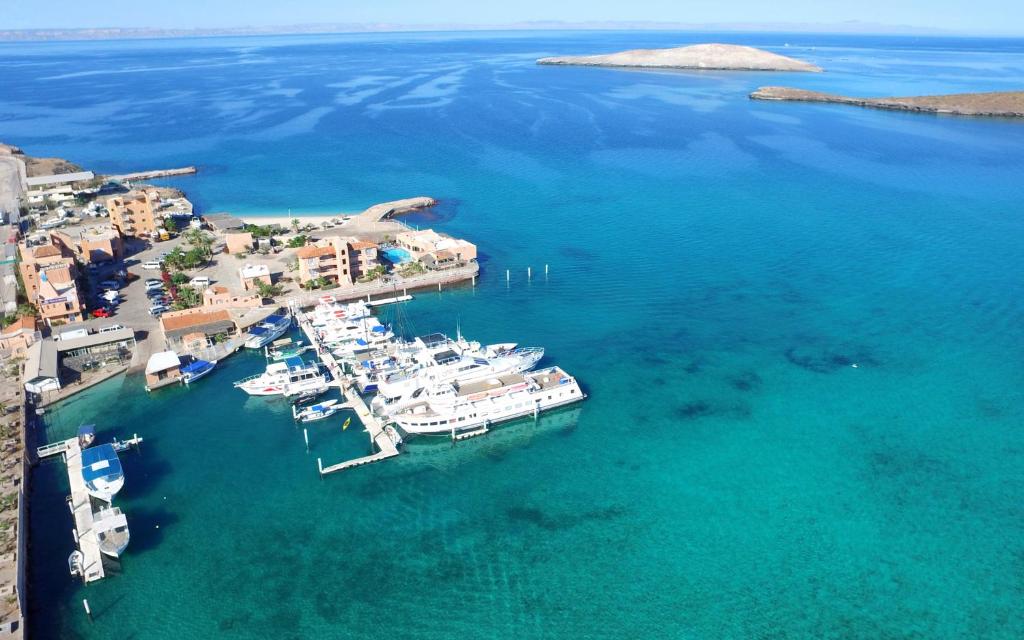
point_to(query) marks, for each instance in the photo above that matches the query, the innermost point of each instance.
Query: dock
(157, 173)
(379, 438)
(81, 503)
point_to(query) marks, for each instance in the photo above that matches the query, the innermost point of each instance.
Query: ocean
(715, 269)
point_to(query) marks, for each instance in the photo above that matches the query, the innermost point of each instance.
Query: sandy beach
(285, 220)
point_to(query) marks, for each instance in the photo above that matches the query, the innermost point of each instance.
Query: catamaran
(267, 331)
(460, 406)
(196, 369)
(102, 472)
(289, 378)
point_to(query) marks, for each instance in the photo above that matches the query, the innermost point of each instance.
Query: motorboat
(285, 348)
(460, 406)
(291, 377)
(318, 411)
(102, 472)
(196, 369)
(111, 527)
(272, 328)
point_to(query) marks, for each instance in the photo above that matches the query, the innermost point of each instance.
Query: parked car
(158, 309)
(113, 327)
(155, 293)
(101, 312)
(154, 281)
(152, 264)
(199, 282)
(110, 284)
(158, 286)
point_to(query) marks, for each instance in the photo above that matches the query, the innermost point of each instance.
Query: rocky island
(710, 57)
(1009, 104)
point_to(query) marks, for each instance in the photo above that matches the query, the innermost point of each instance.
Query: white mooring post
(529, 273)
(545, 272)
(88, 611)
(305, 436)
(508, 276)
(320, 467)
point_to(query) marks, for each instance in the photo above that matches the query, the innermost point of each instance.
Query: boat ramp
(89, 563)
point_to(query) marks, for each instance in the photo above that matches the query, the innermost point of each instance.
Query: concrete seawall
(398, 284)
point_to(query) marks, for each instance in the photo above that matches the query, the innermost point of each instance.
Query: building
(48, 273)
(163, 368)
(436, 249)
(238, 242)
(223, 222)
(41, 369)
(219, 296)
(93, 244)
(134, 213)
(17, 337)
(177, 325)
(58, 179)
(340, 260)
(251, 274)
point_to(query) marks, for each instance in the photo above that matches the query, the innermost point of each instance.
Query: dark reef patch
(551, 522)
(746, 381)
(829, 359)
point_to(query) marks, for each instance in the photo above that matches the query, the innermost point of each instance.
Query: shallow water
(717, 266)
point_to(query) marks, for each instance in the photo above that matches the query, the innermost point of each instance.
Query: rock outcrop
(1007, 104)
(716, 57)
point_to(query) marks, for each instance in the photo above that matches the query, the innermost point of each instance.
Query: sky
(961, 16)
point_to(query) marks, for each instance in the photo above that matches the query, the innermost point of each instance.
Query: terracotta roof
(46, 251)
(359, 245)
(219, 289)
(315, 252)
(24, 322)
(176, 323)
(444, 254)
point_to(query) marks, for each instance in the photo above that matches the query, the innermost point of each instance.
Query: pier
(80, 503)
(379, 438)
(157, 173)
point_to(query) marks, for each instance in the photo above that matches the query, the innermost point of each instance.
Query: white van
(152, 264)
(113, 327)
(199, 282)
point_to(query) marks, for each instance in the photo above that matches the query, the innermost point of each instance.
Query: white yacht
(459, 406)
(397, 392)
(267, 331)
(101, 472)
(111, 527)
(288, 378)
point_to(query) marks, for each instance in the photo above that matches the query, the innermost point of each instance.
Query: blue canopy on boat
(86, 430)
(379, 329)
(294, 362)
(257, 331)
(196, 366)
(100, 462)
(361, 342)
(274, 319)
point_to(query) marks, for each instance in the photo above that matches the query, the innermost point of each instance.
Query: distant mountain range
(115, 33)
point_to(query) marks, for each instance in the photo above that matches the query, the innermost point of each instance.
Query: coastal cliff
(711, 57)
(1008, 104)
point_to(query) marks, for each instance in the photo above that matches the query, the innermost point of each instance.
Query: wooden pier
(379, 438)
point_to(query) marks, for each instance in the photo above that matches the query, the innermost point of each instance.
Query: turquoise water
(396, 255)
(716, 267)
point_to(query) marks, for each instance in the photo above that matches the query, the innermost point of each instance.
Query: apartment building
(134, 213)
(48, 273)
(341, 260)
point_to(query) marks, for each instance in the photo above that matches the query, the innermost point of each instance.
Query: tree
(186, 298)
(268, 290)
(171, 225)
(297, 241)
(179, 278)
(295, 225)
(199, 240)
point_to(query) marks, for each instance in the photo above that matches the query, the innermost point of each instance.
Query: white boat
(397, 392)
(285, 348)
(101, 472)
(267, 331)
(111, 527)
(196, 369)
(288, 378)
(460, 406)
(315, 412)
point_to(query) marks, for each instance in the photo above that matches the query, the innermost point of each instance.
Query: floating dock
(80, 503)
(379, 438)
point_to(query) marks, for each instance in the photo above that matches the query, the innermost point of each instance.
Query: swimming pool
(396, 255)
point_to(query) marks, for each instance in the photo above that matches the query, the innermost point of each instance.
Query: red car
(101, 313)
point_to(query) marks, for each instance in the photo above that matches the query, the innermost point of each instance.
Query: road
(12, 170)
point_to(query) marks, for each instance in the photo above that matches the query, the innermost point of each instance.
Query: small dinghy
(317, 411)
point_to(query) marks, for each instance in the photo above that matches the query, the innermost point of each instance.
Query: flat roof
(162, 361)
(59, 178)
(41, 361)
(223, 221)
(95, 339)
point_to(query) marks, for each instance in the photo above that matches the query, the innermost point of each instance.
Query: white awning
(162, 361)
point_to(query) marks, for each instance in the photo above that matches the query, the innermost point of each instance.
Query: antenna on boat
(458, 328)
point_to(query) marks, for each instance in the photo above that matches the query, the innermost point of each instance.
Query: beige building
(134, 213)
(93, 244)
(17, 337)
(436, 249)
(340, 260)
(219, 296)
(250, 274)
(238, 242)
(48, 273)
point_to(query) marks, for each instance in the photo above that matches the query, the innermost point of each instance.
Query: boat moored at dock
(196, 370)
(289, 378)
(315, 412)
(111, 527)
(272, 328)
(102, 472)
(462, 406)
